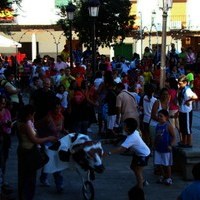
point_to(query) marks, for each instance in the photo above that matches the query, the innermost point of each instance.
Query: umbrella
(6, 42)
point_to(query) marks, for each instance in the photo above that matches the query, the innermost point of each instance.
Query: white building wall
(46, 41)
(194, 14)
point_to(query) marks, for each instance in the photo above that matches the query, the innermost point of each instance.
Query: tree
(8, 3)
(114, 20)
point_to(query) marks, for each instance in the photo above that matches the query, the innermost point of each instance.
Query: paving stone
(114, 183)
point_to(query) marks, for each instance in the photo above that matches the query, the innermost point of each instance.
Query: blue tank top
(163, 138)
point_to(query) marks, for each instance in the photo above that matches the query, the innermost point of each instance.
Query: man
(43, 99)
(67, 78)
(65, 53)
(126, 104)
(2, 69)
(60, 64)
(192, 191)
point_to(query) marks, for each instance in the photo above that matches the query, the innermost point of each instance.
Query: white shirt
(125, 68)
(2, 70)
(2, 73)
(97, 82)
(187, 95)
(56, 79)
(13, 97)
(60, 65)
(137, 96)
(63, 98)
(147, 107)
(136, 144)
(133, 65)
(118, 79)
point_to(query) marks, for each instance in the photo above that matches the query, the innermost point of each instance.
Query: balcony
(178, 21)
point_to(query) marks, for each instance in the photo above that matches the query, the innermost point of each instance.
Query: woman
(79, 109)
(173, 103)
(52, 124)
(13, 93)
(5, 131)
(146, 104)
(63, 95)
(92, 100)
(28, 141)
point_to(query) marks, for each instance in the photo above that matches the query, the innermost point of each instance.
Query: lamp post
(164, 5)
(70, 9)
(152, 25)
(93, 8)
(141, 34)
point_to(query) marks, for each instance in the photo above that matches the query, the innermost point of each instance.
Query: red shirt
(173, 99)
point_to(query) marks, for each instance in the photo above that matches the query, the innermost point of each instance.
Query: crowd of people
(122, 97)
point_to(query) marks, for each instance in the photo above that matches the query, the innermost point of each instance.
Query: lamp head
(153, 13)
(165, 4)
(93, 7)
(70, 9)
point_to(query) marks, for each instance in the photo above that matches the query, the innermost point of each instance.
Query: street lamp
(141, 34)
(152, 25)
(164, 5)
(93, 8)
(70, 9)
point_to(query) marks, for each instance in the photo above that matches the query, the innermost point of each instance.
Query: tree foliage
(8, 3)
(114, 20)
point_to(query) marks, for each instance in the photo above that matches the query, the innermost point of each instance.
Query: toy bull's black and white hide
(85, 152)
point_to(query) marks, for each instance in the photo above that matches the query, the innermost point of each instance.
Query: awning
(6, 42)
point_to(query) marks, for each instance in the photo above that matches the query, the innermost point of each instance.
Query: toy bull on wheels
(87, 188)
(84, 152)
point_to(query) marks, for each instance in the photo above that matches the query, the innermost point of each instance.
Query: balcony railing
(178, 21)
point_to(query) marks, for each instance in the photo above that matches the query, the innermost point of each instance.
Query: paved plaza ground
(114, 183)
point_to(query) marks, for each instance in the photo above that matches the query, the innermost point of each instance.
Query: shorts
(165, 159)
(139, 161)
(185, 123)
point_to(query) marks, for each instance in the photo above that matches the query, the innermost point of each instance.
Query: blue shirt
(191, 192)
(163, 138)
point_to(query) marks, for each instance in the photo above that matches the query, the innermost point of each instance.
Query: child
(135, 143)
(165, 138)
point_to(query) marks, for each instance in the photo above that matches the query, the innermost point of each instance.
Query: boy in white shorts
(165, 138)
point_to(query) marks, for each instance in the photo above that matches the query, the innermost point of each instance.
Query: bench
(184, 160)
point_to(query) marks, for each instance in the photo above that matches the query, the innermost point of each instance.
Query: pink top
(173, 99)
(5, 120)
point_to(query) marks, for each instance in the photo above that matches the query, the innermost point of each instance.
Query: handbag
(40, 158)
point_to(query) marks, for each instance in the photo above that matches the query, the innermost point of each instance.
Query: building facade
(35, 27)
(183, 26)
